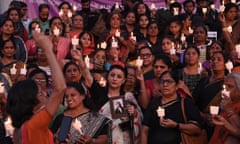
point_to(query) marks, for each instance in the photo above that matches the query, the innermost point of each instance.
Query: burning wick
(214, 110)
(225, 92)
(161, 112)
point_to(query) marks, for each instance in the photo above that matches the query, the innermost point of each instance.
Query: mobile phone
(64, 128)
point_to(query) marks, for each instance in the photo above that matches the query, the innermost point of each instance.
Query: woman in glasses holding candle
(60, 43)
(166, 129)
(208, 90)
(227, 123)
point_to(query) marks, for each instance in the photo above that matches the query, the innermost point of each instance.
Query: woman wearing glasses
(167, 128)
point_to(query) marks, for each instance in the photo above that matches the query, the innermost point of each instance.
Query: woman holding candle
(86, 40)
(65, 13)
(60, 44)
(142, 22)
(23, 103)
(167, 128)
(94, 128)
(154, 38)
(227, 123)
(208, 90)
(77, 26)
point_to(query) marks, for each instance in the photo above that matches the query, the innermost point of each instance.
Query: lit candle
(9, 127)
(13, 70)
(117, 33)
(87, 61)
(139, 62)
(2, 89)
(60, 13)
(190, 30)
(116, 6)
(56, 31)
(173, 50)
(75, 41)
(102, 82)
(98, 46)
(183, 38)
(214, 110)
(199, 67)
(133, 37)
(204, 11)
(153, 6)
(103, 45)
(161, 112)
(114, 43)
(175, 11)
(238, 50)
(74, 8)
(233, 1)
(172, 1)
(225, 92)
(229, 29)
(78, 126)
(222, 7)
(37, 28)
(23, 70)
(69, 14)
(229, 66)
(212, 6)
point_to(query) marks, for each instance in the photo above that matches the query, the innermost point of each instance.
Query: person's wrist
(177, 125)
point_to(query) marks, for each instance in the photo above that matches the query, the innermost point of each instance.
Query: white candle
(60, 13)
(204, 11)
(175, 11)
(116, 5)
(9, 127)
(75, 42)
(74, 8)
(229, 29)
(183, 38)
(214, 110)
(139, 62)
(23, 70)
(229, 66)
(114, 43)
(133, 37)
(161, 112)
(117, 33)
(13, 70)
(153, 6)
(233, 1)
(2, 89)
(212, 6)
(69, 14)
(190, 30)
(87, 61)
(225, 92)
(238, 50)
(37, 28)
(56, 31)
(173, 50)
(102, 82)
(103, 45)
(199, 67)
(78, 126)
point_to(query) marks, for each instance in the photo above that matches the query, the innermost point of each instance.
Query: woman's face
(231, 13)
(14, 16)
(100, 55)
(113, 52)
(147, 56)
(8, 50)
(116, 78)
(57, 23)
(217, 62)
(174, 28)
(73, 98)
(78, 22)
(8, 28)
(153, 30)
(187, 22)
(130, 19)
(115, 21)
(231, 86)
(141, 9)
(143, 21)
(159, 67)
(168, 86)
(65, 9)
(72, 74)
(200, 34)
(191, 57)
(85, 40)
(131, 79)
(214, 48)
(166, 45)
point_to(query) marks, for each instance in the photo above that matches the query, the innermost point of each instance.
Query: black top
(160, 135)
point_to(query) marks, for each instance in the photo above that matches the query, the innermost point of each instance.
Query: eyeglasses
(40, 80)
(167, 81)
(147, 55)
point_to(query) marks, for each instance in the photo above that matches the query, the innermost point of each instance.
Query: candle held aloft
(69, 14)
(13, 70)
(103, 45)
(114, 43)
(139, 62)
(117, 33)
(173, 50)
(153, 6)
(190, 30)
(183, 38)
(175, 11)
(60, 13)
(102, 82)
(161, 112)
(229, 66)
(56, 31)
(23, 70)
(214, 110)
(75, 42)
(74, 8)
(225, 92)
(133, 37)
(87, 61)
(204, 10)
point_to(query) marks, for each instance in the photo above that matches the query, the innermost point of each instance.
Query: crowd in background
(129, 75)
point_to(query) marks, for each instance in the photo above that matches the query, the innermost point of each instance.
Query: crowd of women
(133, 74)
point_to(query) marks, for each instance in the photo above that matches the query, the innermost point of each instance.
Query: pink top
(63, 48)
(31, 47)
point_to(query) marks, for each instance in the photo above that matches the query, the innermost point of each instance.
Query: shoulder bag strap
(183, 110)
